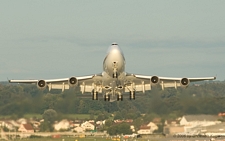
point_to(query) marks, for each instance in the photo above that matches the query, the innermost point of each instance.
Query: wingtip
(8, 80)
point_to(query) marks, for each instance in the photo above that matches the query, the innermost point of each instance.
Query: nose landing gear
(115, 75)
(115, 66)
(106, 97)
(119, 97)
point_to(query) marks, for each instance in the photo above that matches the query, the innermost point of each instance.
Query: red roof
(145, 127)
(28, 127)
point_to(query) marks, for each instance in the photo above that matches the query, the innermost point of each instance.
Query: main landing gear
(132, 95)
(94, 95)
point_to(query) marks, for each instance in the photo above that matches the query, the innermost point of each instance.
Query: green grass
(76, 139)
(27, 116)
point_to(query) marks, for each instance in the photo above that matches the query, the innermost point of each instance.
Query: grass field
(80, 139)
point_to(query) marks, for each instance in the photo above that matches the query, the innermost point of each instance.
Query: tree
(46, 127)
(138, 122)
(123, 128)
(118, 115)
(108, 123)
(50, 115)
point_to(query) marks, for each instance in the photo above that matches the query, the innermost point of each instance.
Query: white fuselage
(114, 72)
(114, 61)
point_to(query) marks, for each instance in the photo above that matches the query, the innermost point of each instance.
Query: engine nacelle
(154, 80)
(184, 82)
(41, 84)
(72, 81)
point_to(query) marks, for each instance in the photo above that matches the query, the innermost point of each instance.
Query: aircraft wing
(143, 83)
(86, 83)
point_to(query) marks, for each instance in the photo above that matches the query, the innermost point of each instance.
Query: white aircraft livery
(113, 82)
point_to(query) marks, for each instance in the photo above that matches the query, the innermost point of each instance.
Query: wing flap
(86, 83)
(62, 86)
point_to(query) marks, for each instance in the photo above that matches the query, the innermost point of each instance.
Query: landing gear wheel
(94, 95)
(119, 97)
(115, 75)
(107, 98)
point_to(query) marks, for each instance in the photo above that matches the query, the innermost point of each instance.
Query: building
(194, 120)
(7, 124)
(88, 126)
(62, 125)
(191, 122)
(172, 127)
(153, 126)
(79, 130)
(171, 130)
(144, 130)
(26, 128)
(214, 130)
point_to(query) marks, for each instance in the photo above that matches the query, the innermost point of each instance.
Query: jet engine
(41, 84)
(154, 80)
(184, 82)
(72, 81)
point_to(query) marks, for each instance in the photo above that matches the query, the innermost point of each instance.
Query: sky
(59, 39)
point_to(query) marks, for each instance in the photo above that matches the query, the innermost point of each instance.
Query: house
(88, 126)
(132, 128)
(172, 122)
(14, 123)
(78, 130)
(8, 125)
(99, 122)
(153, 126)
(35, 124)
(26, 128)
(128, 120)
(157, 121)
(144, 129)
(77, 123)
(118, 121)
(62, 125)
(193, 121)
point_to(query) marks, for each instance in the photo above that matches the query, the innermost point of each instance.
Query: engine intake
(41, 84)
(184, 82)
(155, 80)
(73, 81)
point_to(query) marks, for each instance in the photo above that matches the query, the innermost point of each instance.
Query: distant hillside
(201, 98)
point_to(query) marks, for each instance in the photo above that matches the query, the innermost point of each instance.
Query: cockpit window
(114, 44)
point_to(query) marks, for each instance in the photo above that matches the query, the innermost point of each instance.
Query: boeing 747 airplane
(113, 82)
